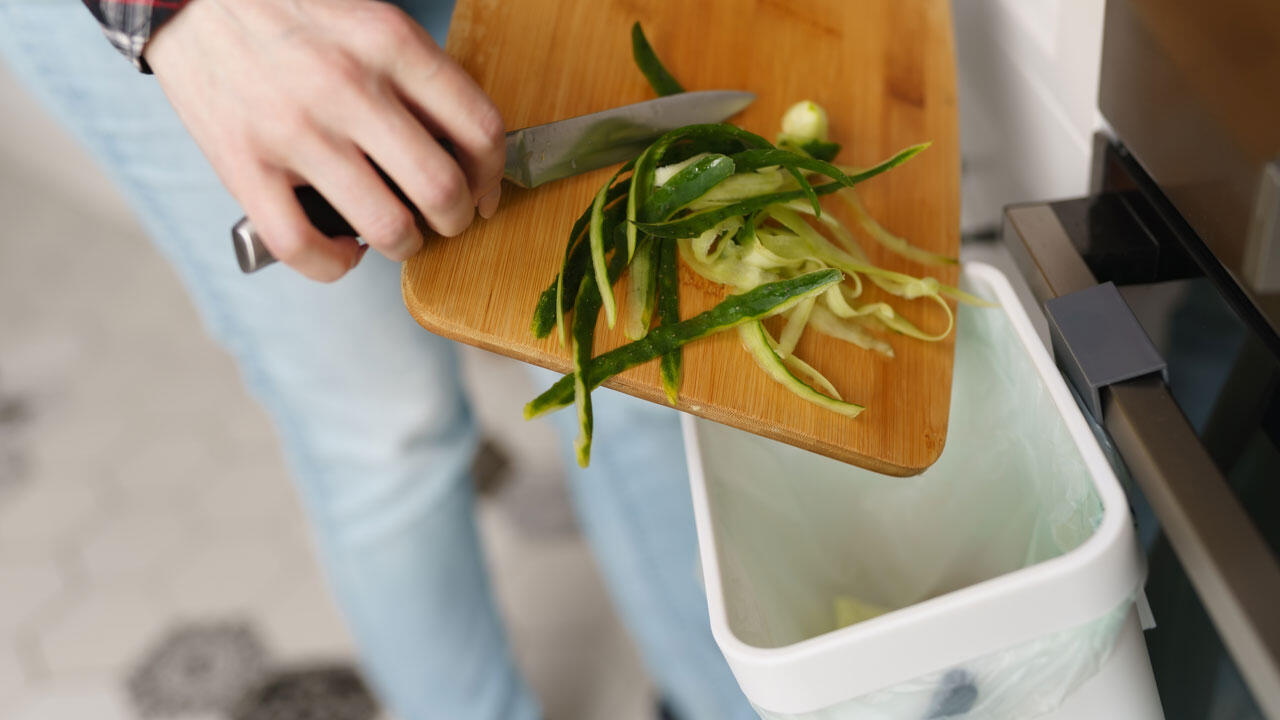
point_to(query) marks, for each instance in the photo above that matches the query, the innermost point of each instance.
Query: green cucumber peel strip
(687, 185)
(595, 234)
(887, 239)
(733, 272)
(831, 325)
(807, 188)
(695, 224)
(586, 308)
(743, 185)
(546, 316)
(797, 319)
(755, 159)
(794, 162)
(757, 340)
(900, 157)
(895, 283)
(910, 287)
(642, 184)
(564, 289)
(759, 302)
(818, 378)
(647, 60)
(663, 173)
(577, 266)
(836, 227)
(582, 400)
(640, 293)
(586, 311)
(820, 149)
(796, 364)
(549, 315)
(961, 296)
(698, 223)
(651, 294)
(544, 313)
(903, 326)
(671, 365)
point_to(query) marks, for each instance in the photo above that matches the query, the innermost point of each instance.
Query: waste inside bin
(993, 583)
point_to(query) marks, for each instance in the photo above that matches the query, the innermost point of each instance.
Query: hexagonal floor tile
(45, 512)
(28, 586)
(73, 442)
(322, 692)
(13, 469)
(96, 698)
(252, 491)
(197, 668)
(301, 622)
(164, 465)
(223, 575)
(12, 676)
(102, 629)
(133, 540)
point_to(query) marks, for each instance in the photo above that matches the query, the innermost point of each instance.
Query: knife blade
(537, 155)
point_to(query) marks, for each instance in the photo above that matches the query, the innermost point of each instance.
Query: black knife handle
(253, 255)
(326, 218)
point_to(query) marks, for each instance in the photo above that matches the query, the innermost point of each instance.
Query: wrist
(158, 41)
(130, 24)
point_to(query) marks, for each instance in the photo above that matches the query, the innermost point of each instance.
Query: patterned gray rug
(221, 669)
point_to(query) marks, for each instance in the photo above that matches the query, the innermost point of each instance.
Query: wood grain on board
(883, 69)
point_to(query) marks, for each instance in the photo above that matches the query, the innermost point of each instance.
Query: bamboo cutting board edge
(646, 391)
(903, 98)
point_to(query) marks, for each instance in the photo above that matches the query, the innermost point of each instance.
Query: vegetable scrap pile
(743, 212)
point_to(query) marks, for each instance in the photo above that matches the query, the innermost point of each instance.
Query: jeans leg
(634, 506)
(368, 405)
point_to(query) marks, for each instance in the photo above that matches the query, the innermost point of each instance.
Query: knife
(537, 155)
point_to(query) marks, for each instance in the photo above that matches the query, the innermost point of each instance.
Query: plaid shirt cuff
(129, 24)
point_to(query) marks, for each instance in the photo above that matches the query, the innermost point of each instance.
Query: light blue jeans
(374, 422)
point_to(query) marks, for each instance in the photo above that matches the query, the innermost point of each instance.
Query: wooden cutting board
(885, 72)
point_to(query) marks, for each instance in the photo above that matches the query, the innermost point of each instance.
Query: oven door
(1179, 207)
(1201, 444)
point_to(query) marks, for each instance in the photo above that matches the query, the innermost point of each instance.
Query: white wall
(1028, 86)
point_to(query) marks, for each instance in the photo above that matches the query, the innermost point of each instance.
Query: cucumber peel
(641, 293)
(647, 60)
(755, 304)
(671, 368)
(758, 342)
(742, 212)
(596, 236)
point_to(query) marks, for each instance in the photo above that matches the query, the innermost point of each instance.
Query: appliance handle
(1229, 564)
(1224, 555)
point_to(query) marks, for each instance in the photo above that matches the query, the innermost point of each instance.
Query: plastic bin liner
(1020, 682)
(806, 543)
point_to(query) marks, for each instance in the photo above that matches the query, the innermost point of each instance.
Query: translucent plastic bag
(803, 544)
(1019, 682)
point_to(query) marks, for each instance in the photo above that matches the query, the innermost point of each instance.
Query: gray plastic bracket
(1097, 342)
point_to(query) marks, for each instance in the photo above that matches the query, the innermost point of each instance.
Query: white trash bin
(994, 585)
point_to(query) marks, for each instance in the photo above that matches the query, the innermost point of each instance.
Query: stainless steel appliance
(1183, 218)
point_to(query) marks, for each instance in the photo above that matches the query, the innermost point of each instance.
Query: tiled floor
(153, 558)
(149, 538)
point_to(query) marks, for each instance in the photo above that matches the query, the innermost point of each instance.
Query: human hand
(282, 93)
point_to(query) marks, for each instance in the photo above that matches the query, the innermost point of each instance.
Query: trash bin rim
(1065, 591)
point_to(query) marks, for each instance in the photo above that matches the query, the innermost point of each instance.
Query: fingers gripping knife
(536, 155)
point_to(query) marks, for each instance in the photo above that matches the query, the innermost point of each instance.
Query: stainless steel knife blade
(540, 154)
